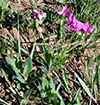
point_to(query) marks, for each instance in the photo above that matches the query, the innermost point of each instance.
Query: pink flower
(86, 25)
(75, 24)
(38, 15)
(65, 11)
(70, 16)
(88, 29)
(62, 11)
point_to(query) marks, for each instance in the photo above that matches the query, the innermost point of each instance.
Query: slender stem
(19, 50)
(18, 35)
(33, 49)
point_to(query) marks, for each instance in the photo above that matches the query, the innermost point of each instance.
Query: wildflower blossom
(69, 16)
(75, 24)
(86, 25)
(38, 15)
(62, 11)
(88, 29)
(65, 11)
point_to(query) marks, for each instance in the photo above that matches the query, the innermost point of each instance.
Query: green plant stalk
(88, 76)
(68, 44)
(37, 23)
(61, 26)
(18, 36)
(33, 49)
(7, 80)
(19, 47)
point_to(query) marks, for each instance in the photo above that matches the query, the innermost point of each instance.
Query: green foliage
(85, 87)
(28, 68)
(61, 1)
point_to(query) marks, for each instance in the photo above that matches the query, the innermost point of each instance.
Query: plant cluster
(45, 61)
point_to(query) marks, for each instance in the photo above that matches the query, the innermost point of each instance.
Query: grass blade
(85, 87)
(5, 76)
(28, 67)
(3, 102)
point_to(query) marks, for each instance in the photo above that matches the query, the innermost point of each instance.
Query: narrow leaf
(65, 79)
(3, 102)
(45, 83)
(10, 61)
(61, 1)
(6, 77)
(85, 87)
(18, 78)
(13, 67)
(28, 67)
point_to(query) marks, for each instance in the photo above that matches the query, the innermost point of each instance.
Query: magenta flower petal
(35, 11)
(65, 11)
(62, 11)
(90, 29)
(38, 15)
(70, 16)
(86, 25)
(75, 25)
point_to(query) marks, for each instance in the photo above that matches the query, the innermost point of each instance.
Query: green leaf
(13, 67)
(0, 3)
(56, 91)
(24, 102)
(88, 75)
(33, 49)
(19, 78)
(24, 51)
(28, 93)
(2, 102)
(61, 1)
(7, 80)
(6, 77)
(65, 79)
(28, 67)
(10, 61)
(48, 57)
(78, 101)
(52, 85)
(85, 87)
(52, 95)
(3, 4)
(45, 83)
